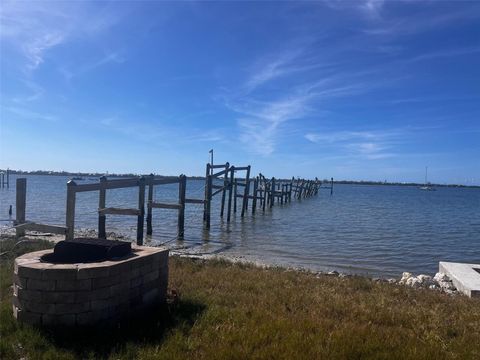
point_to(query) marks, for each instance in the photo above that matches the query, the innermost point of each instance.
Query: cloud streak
(35, 28)
(370, 145)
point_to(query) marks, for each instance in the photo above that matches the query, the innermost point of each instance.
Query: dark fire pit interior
(84, 250)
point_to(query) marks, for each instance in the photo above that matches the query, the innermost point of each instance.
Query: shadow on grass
(148, 328)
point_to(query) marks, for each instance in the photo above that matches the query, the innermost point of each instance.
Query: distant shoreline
(324, 181)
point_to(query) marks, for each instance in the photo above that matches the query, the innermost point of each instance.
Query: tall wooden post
(70, 214)
(2, 179)
(265, 194)
(230, 191)
(246, 192)
(208, 201)
(235, 196)
(207, 174)
(8, 178)
(151, 177)
(331, 187)
(300, 188)
(272, 192)
(224, 191)
(182, 186)
(21, 203)
(141, 207)
(101, 205)
(255, 191)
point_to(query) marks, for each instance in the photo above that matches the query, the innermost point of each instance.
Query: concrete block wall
(86, 294)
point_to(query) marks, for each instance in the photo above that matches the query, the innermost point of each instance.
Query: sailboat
(427, 186)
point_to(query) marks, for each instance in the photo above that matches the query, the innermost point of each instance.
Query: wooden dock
(235, 186)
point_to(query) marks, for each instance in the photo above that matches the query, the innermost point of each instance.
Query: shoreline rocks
(439, 282)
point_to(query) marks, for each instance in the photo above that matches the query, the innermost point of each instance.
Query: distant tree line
(324, 181)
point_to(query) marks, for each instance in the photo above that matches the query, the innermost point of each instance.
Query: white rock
(414, 282)
(405, 277)
(446, 285)
(391, 281)
(333, 273)
(440, 277)
(426, 280)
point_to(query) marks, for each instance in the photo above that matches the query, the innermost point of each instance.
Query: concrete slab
(465, 277)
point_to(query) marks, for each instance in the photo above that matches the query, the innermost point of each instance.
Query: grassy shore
(241, 311)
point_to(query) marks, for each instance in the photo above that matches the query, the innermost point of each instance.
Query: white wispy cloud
(372, 145)
(272, 68)
(33, 92)
(35, 28)
(261, 121)
(372, 7)
(445, 53)
(29, 114)
(108, 58)
(423, 21)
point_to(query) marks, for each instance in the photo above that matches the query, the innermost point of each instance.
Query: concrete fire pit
(82, 294)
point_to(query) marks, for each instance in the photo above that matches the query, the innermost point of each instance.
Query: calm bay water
(375, 230)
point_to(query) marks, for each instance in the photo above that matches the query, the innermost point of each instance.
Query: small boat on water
(427, 186)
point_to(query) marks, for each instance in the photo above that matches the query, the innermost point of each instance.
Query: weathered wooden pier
(5, 179)
(233, 184)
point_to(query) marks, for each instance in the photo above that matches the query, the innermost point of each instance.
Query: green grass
(240, 311)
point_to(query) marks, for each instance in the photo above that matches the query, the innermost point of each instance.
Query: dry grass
(238, 311)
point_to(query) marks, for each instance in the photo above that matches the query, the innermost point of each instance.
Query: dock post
(224, 191)
(70, 214)
(300, 190)
(255, 191)
(101, 205)
(272, 192)
(235, 196)
(149, 204)
(2, 179)
(207, 174)
(265, 194)
(246, 192)
(182, 186)
(8, 178)
(208, 201)
(21, 202)
(141, 207)
(230, 192)
(331, 187)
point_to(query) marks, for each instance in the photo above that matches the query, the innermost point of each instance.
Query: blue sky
(364, 90)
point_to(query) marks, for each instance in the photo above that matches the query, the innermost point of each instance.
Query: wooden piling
(235, 196)
(230, 191)
(207, 174)
(101, 205)
(246, 191)
(182, 186)
(265, 194)
(21, 203)
(255, 192)
(224, 191)
(272, 192)
(149, 204)
(70, 213)
(208, 201)
(141, 207)
(331, 187)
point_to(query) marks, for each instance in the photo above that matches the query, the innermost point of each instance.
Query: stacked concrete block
(88, 293)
